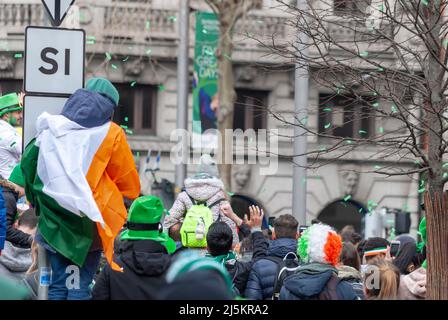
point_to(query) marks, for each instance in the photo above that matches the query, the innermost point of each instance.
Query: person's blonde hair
(34, 266)
(388, 284)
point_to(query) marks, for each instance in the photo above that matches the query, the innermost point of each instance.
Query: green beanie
(103, 86)
(17, 176)
(9, 103)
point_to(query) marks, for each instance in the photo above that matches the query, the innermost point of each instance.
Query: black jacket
(144, 264)
(16, 237)
(239, 271)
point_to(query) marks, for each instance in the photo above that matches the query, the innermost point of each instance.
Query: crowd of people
(85, 210)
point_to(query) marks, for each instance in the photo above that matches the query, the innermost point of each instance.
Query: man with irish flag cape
(77, 171)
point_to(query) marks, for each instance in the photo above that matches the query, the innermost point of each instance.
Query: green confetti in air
(375, 105)
(328, 125)
(148, 52)
(445, 175)
(129, 131)
(172, 18)
(231, 194)
(126, 59)
(323, 149)
(392, 233)
(380, 69)
(364, 54)
(124, 127)
(377, 167)
(161, 87)
(114, 67)
(148, 24)
(425, 2)
(349, 141)
(421, 190)
(374, 93)
(360, 210)
(90, 40)
(304, 121)
(381, 8)
(204, 31)
(18, 56)
(348, 197)
(327, 109)
(227, 56)
(133, 83)
(381, 130)
(445, 165)
(393, 108)
(108, 56)
(126, 119)
(417, 161)
(422, 183)
(362, 132)
(445, 43)
(138, 155)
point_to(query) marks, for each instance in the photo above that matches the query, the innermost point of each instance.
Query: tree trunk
(436, 246)
(227, 97)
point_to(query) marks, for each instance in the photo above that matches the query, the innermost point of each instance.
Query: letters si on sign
(54, 60)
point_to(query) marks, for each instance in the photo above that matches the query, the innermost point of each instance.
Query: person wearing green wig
(143, 252)
(413, 285)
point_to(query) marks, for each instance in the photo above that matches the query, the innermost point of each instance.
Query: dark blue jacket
(260, 285)
(2, 221)
(309, 282)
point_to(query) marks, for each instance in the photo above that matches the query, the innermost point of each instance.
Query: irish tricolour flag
(76, 178)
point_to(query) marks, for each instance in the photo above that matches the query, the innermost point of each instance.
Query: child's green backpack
(196, 223)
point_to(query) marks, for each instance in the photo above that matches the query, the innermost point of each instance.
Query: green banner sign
(205, 82)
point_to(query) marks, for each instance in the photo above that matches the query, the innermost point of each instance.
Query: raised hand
(256, 217)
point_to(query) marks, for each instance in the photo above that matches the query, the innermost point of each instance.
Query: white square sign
(34, 106)
(54, 60)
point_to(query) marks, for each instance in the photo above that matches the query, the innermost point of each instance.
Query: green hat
(10, 290)
(9, 103)
(17, 176)
(190, 260)
(144, 222)
(103, 86)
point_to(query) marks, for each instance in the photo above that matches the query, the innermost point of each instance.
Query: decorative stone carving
(6, 66)
(134, 68)
(246, 74)
(348, 181)
(241, 176)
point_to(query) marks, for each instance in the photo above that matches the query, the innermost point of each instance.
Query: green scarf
(222, 258)
(316, 268)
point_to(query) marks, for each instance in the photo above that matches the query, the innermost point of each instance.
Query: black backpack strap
(193, 201)
(330, 290)
(216, 202)
(279, 262)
